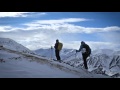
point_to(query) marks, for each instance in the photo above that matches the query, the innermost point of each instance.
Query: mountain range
(102, 61)
(18, 61)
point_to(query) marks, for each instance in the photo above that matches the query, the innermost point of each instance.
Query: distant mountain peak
(13, 45)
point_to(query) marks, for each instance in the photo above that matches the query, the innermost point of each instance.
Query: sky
(35, 30)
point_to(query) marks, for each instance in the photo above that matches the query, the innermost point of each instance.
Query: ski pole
(51, 52)
(75, 55)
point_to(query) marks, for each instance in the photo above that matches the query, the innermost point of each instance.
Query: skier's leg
(84, 59)
(59, 55)
(56, 53)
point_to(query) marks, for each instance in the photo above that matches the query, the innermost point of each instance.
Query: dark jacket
(88, 49)
(56, 46)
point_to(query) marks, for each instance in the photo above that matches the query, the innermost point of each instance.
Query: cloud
(5, 28)
(61, 28)
(113, 37)
(36, 39)
(103, 45)
(19, 14)
(65, 20)
(93, 45)
(64, 26)
(43, 33)
(13, 14)
(32, 39)
(9, 29)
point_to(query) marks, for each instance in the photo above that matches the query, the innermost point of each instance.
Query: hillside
(103, 61)
(15, 64)
(11, 44)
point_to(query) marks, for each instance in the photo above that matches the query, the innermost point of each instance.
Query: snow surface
(11, 44)
(20, 66)
(24, 65)
(17, 66)
(103, 61)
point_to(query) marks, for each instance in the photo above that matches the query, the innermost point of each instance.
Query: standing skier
(86, 51)
(58, 47)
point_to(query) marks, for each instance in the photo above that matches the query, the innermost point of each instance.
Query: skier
(86, 51)
(58, 47)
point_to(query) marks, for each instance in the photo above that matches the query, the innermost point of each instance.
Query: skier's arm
(79, 49)
(55, 46)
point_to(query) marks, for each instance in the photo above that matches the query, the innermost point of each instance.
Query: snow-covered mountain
(11, 44)
(66, 54)
(16, 63)
(103, 61)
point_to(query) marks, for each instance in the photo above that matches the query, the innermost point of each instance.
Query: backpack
(60, 45)
(87, 49)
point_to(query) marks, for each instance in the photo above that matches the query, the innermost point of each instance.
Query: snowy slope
(24, 65)
(103, 61)
(20, 66)
(11, 44)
